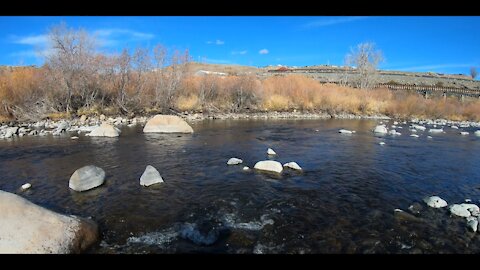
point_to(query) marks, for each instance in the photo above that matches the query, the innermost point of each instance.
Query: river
(342, 202)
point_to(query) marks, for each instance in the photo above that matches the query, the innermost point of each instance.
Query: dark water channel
(343, 201)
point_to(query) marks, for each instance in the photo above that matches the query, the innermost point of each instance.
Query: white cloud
(216, 42)
(110, 37)
(31, 40)
(332, 21)
(239, 52)
(263, 51)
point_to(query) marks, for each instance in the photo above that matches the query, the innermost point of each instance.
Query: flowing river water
(342, 202)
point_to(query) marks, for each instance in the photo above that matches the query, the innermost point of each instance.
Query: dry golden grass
(59, 116)
(188, 103)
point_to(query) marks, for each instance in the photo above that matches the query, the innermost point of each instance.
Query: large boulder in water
(29, 228)
(86, 178)
(105, 130)
(269, 165)
(167, 124)
(150, 176)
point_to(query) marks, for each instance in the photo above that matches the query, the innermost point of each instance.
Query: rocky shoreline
(86, 124)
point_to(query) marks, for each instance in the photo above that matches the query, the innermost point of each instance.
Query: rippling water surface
(343, 201)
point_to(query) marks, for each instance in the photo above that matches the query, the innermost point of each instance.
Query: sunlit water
(342, 202)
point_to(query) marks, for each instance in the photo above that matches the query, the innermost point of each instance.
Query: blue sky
(439, 44)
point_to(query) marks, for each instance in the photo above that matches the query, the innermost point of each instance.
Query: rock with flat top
(234, 161)
(460, 210)
(105, 130)
(269, 165)
(167, 124)
(435, 202)
(292, 165)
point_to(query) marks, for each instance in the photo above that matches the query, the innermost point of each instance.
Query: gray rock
(435, 202)
(167, 124)
(472, 223)
(271, 152)
(292, 165)
(380, 129)
(150, 176)
(62, 126)
(29, 228)
(86, 178)
(234, 161)
(459, 210)
(105, 130)
(83, 118)
(401, 215)
(269, 165)
(415, 208)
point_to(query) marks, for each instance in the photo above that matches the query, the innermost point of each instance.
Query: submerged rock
(150, 176)
(29, 228)
(234, 161)
(435, 202)
(415, 208)
(86, 178)
(167, 124)
(269, 165)
(472, 223)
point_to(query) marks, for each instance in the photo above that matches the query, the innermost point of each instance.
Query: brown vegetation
(76, 79)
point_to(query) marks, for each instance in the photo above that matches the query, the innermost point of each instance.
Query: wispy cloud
(110, 37)
(216, 42)
(435, 67)
(263, 51)
(332, 21)
(30, 40)
(239, 52)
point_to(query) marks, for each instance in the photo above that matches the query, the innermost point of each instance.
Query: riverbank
(85, 124)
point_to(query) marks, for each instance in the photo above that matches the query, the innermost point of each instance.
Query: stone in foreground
(26, 186)
(292, 165)
(269, 165)
(86, 178)
(234, 161)
(380, 129)
(150, 176)
(104, 130)
(167, 124)
(29, 228)
(435, 202)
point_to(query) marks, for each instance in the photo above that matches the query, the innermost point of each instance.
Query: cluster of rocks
(467, 210)
(267, 165)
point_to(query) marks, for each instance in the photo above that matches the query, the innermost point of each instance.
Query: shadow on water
(342, 201)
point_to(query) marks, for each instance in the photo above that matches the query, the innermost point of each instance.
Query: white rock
(74, 138)
(167, 124)
(86, 178)
(29, 228)
(414, 135)
(395, 122)
(150, 176)
(381, 143)
(435, 130)
(269, 165)
(130, 125)
(292, 165)
(246, 168)
(472, 223)
(477, 133)
(459, 210)
(234, 161)
(104, 130)
(454, 127)
(435, 202)
(270, 151)
(381, 129)
(26, 186)
(394, 133)
(418, 127)
(429, 137)
(473, 208)
(464, 133)
(413, 130)
(344, 131)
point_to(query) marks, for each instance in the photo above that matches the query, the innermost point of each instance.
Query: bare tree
(473, 72)
(71, 57)
(366, 59)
